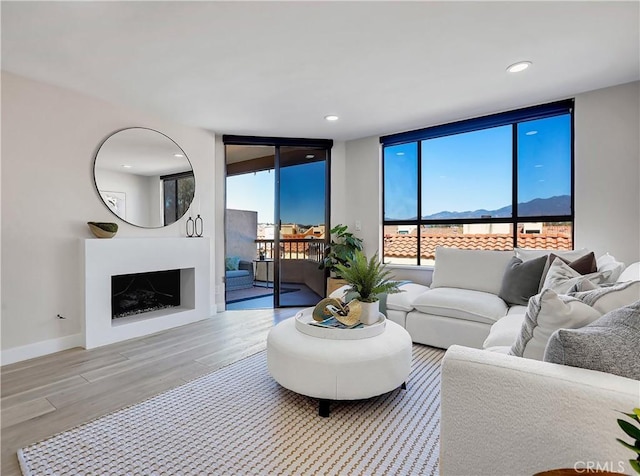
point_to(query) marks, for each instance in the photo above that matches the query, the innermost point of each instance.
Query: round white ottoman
(330, 369)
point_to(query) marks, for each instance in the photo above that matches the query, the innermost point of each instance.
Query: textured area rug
(237, 420)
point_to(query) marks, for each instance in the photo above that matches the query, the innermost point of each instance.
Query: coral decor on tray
(331, 308)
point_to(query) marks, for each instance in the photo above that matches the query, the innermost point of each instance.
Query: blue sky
(302, 193)
(252, 192)
(473, 171)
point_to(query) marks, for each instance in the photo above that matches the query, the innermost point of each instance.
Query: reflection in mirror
(144, 177)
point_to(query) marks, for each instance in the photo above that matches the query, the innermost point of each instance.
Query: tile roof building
(404, 246)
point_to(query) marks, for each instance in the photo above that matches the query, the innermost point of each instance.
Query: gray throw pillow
(521, 280)
(609, 344)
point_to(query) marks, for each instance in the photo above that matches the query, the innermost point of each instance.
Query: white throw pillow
(562, 278)
(607, 298)
(525, 254)
(632, 273)
(477, 270)
(607, 262)
(547, 312)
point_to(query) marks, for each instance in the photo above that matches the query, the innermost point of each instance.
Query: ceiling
(277, 68)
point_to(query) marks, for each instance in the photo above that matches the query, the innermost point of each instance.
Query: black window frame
(512, 118)
(175, 178)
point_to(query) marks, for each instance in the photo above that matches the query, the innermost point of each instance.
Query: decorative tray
(304, 324)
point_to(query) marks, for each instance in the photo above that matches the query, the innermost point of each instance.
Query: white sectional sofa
(462, 304)
(507, 415)
(503, 414)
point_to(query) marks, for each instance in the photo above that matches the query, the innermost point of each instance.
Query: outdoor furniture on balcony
(241, 278)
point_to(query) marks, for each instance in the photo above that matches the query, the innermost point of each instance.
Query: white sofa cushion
(477, 270)
(548, 312)
(404, 301)
(442, 332)
(504, 331)
(517, 310)
(462, 304)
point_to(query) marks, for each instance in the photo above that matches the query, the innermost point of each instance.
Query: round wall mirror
(144, 177)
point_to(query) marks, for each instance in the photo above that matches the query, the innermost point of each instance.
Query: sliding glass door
(289, 177)
(301, 199)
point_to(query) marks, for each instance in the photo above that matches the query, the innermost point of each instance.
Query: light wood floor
(47, 395)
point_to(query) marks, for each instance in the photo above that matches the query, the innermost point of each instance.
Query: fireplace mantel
(106, 258)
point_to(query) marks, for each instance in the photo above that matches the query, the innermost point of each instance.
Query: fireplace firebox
(133, 294)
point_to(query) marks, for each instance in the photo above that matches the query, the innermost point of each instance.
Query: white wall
(338, 184)
(49, 139)
(607, 175)
(363, 191)
(241, 232)
(607, 178)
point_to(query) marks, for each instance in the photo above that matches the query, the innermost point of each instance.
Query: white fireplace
(106, 258)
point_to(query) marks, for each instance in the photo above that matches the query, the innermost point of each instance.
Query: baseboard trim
(38, 349)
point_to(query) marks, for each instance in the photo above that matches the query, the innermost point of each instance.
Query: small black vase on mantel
(190, 227)
(198, 226)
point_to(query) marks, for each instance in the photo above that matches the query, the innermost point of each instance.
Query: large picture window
(493, 183)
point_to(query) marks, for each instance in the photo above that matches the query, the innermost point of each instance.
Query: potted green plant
(341, 249)
(634, 433)
(368, 279)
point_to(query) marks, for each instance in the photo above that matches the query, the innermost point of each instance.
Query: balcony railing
(298, 248)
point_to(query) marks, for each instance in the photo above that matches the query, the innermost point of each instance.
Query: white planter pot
(370, 312)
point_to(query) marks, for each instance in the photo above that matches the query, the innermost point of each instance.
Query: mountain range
(558, 205)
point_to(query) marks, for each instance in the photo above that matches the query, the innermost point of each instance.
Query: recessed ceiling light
(127, 166)
(520, 66)
(309, 156)
(531, 133)
(178, 155)
(331, 117)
